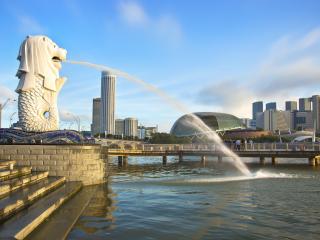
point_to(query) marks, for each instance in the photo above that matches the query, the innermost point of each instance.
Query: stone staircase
(34, 205)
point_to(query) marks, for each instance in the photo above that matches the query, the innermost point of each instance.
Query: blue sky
(209, 55)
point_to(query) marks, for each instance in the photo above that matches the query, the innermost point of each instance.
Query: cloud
(29, 25)
(6, 93)
(165, 26)
(133, 13)
(292, 67)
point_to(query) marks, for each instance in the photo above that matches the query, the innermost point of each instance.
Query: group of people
(237, 144)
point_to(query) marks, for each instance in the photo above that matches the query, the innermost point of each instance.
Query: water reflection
(98, 216)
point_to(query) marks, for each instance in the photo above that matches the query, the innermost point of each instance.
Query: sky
(217, 56)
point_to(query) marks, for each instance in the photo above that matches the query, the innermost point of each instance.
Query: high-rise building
(131, 127)
(246, 122)
(304, 104)
(302, 120)
(95, 126)
(316, 111)
(119, 128)
(146, 132)
(271, 106)
(107, 115)
(291, 106)
(256, 108)
(273, 120)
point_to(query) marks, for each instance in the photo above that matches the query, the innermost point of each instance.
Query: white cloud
(291, 69)
(133, 13)
(6, 93)
(165, 26)
(29, 25)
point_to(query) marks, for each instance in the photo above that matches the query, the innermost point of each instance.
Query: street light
(11, 117)
(2, 106)
(76, 119)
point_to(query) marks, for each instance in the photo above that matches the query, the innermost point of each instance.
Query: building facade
(146, 132)
(119, 127)
(256, 108)
(316, 112)
(271, 106)
(304, 104)
(273, 120)
(291, 106)
(95, 126)
(107, 111)
(131, 127)
(302, 120)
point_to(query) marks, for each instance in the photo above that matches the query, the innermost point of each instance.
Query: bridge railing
(243, 147)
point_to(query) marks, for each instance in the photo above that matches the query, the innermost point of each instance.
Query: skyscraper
(131, 127)
(304, 104)
(256, 108)
(95, 126)
(316, 111)
(291, 106)
(119, 129)
(271, 106)
(108, 89)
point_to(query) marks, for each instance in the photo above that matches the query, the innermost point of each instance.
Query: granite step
(6, 174)
(23, 223)
(65, 217)
(7, 164)
(16, 201)
(12, 185)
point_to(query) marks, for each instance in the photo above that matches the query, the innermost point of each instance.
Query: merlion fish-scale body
(40, 61)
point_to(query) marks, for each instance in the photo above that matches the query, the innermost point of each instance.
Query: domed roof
(215, 121)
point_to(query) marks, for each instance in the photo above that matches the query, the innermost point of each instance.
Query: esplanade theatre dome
(218, 122)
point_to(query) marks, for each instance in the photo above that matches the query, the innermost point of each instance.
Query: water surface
(146, 200)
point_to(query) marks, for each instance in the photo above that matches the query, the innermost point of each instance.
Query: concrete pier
(219, 159)
(180, 157)
(122, 161)
(203, 158)
(312, 161)
(164, 160)
(262, 160)
(273, 161)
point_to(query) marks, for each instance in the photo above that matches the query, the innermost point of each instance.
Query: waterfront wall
(75, 162)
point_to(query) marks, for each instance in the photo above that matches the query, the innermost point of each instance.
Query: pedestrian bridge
(310, 151)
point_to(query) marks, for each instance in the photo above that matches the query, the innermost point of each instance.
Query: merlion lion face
(39, 56)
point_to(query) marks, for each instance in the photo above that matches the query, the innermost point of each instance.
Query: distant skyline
(215, 56)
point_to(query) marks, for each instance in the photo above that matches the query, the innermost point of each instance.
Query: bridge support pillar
(312, 161)
(219, 159)
(203, 159)
(164, 160)
(262, 160)
(273, 160)
(122, 161)
(180, 157)
(317, 160)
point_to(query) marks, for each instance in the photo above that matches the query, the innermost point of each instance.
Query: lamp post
(2, 106)
(11, 117)
(77, 120)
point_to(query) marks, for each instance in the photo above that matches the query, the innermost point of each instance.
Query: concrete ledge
(69, 161)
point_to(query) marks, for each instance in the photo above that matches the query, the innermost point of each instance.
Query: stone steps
(65, 217)
(12, 185)
(16, 172)
(22, 224)
(7, 164)
(16, 201)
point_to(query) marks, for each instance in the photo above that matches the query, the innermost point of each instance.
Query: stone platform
(75, 162)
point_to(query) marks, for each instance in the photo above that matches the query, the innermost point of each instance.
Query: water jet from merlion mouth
(196, 121)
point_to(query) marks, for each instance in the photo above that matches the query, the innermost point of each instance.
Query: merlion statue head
(39, 56)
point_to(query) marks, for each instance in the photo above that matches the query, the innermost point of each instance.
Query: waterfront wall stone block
(75, 162)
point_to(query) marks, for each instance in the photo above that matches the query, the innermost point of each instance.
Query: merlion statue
(40, 61)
